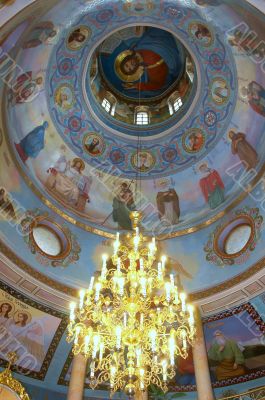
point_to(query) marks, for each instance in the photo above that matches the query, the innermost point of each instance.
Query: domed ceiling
(117, 105)
(76, 137)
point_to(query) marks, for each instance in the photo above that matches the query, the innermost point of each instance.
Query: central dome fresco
(165, 84)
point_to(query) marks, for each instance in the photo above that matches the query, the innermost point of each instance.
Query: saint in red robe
(212, 188)
(156, 70)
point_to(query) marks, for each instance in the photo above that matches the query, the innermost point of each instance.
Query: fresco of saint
(243, 149)
(212, 186)
(68, 180)
(168, 205)
(29, 334)
(33, 143)
(255, 94)
(5, 311)
(229, 357)
(123, 204)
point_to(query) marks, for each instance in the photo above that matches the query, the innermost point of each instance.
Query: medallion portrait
(78, 37)
(93, 144)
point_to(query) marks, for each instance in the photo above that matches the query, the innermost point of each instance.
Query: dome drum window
(49, 239)
(174, 103)
(235, 237)
(109, 103)
(142, 115)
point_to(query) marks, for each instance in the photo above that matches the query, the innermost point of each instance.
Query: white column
(201, 366)
(77, 380)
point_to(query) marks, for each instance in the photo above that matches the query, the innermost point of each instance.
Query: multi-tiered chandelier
(131, 323)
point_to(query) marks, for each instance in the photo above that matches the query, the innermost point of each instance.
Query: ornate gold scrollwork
(6, 379)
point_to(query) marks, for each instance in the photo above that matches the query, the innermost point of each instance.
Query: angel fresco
(255, 94)
(66, 178)
(40, 34)
(150, 63)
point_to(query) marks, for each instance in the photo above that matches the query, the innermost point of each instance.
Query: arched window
(106, 104)
(142, 116)
(174, 103)
(109, 103)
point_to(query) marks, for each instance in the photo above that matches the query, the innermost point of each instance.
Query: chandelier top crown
(136, 218)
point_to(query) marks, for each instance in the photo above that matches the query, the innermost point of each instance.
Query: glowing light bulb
(141, 378)
(184, 339)
(120, 282)
(77, 332)
(183, 301)
(159, 270)
(81, 298)
(119, 265)
(97, 291)
(72, 311)
(125, 320)
(168, 291)
(164, 367)
(172, 282)
(96, 341)
(87, 341)
(101, 351)
(138, 353)
(191, 317)
(104, 266)
(91, 283)
(113, 371)
(143, 286)
(152, 335)
(163, 260)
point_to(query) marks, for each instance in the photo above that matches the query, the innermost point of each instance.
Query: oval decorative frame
(227, 229)
(58, 91)
(190, 132)
(57, 230)
(216, 255)
(225, 99)
(85, 28)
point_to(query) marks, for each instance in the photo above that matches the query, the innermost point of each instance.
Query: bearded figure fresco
(229, 357)
(150, 63)
(66, 178)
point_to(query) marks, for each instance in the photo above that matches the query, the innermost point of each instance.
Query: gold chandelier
(131, 323)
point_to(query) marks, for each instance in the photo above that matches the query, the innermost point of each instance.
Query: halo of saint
(124, 57)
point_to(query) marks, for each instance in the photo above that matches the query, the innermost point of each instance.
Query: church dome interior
(109, 107)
